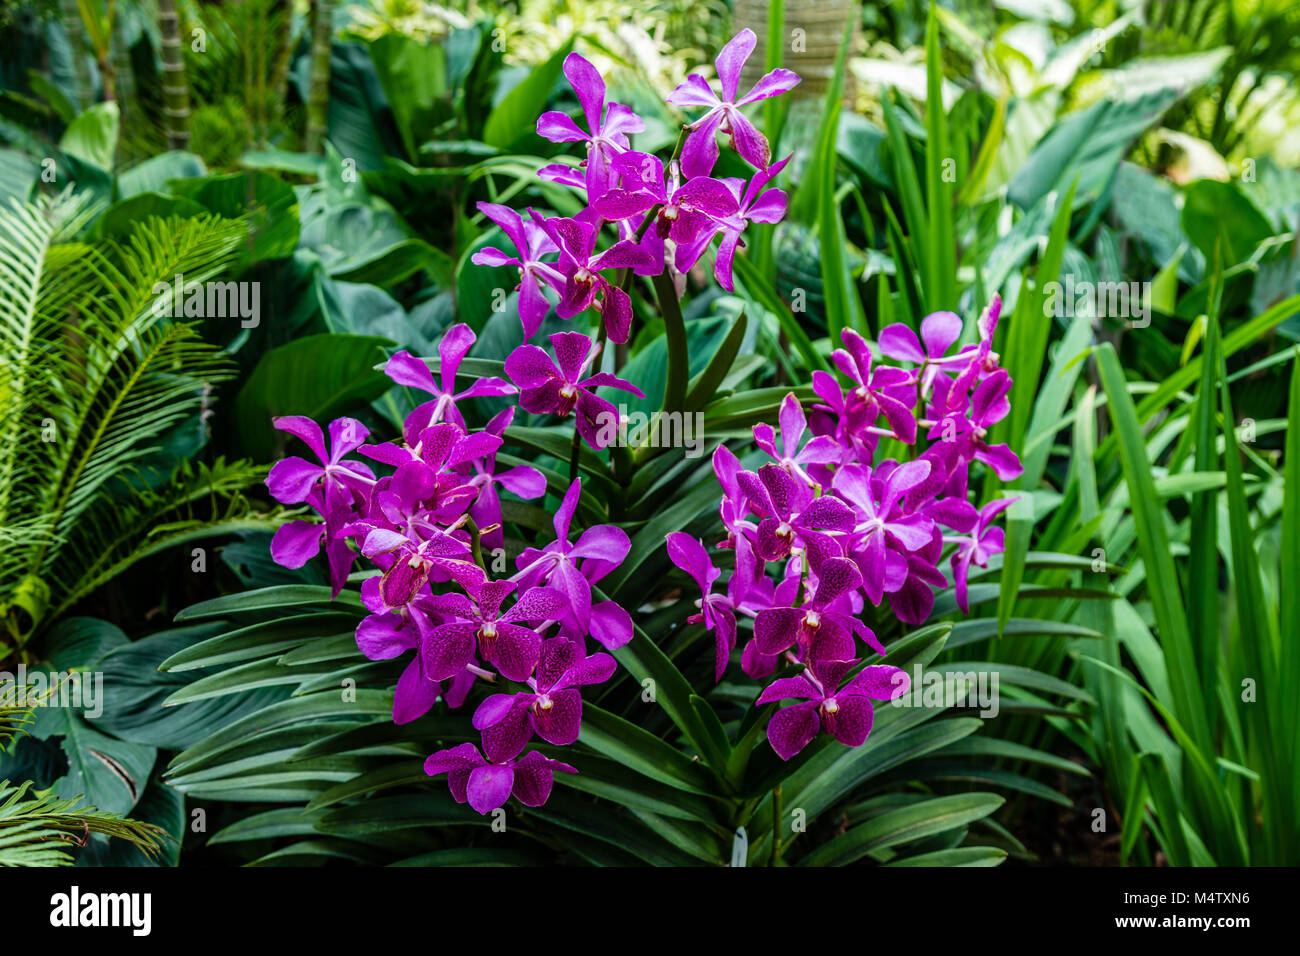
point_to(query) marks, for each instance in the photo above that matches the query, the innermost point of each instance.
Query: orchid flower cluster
(664, 217)
(424, 523)
(424, 526)
(823, 528)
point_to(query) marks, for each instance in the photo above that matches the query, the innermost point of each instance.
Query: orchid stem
(475, 542)
(573, 455)
(679, 361)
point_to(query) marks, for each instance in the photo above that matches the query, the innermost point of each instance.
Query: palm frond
(94, 373)
(200, 501)
(38, 829)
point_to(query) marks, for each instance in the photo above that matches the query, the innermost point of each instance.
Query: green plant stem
(679, 361)
(475, 542)
(573, 455)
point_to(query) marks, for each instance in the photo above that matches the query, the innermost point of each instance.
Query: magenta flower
(982, 544)
(480, 626)
(487, 786)
(608, 128)
(573, 568)
(822, 628)
(405, 369)
(385, 635)
(291, 480)
(426, 483)
(531, 243)
(523, 480)
(685, 211)
(939, 330)
(414, 555)
(297, 542)
(845, 712)
(822, 450)
(581, 267)
(700, 152)
(884, 533)
(717, 612)
(888, 391)
(546, 389)
(754, 205)
(789, 511)
(988, 406)
(554, 708)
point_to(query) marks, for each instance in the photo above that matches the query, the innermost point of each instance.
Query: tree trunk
(176, 94)
(104, 55)
(282, 24)
(70, 17)
(318, 96)
(120, 55)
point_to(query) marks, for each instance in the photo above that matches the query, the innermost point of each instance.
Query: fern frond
(199, 502)
(14, 716)
(93, 374)
(37, 828)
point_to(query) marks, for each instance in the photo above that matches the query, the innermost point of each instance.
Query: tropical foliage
(1077, 217)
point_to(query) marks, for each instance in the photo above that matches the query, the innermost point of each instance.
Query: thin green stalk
(679, 361)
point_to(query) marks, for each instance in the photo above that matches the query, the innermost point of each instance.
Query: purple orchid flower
(685, 209)
(789, 511)
(291, 480)
(414, 556)
(600, 549)
(427, 485)
(523, 481)
(487, 786)
(479, 625)
(988, 406)
(385, 635)
(820, 628)
(753, 205)
(982, 544)
(883, 532)
(939, 330)
(581, 266)
(531, 243)
(553, 710)
(888, 391)
(717, 612)
(821, 450)
(844, 712)
(546, 389)
(608, 126)
(700, 151)
(405, 369)
(297, 542)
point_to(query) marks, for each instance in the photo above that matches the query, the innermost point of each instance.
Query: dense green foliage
(1140, 623)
